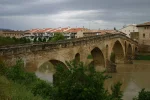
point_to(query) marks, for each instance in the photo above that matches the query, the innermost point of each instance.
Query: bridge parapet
(33, 47)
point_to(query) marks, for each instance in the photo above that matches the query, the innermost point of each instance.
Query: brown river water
(133, 77)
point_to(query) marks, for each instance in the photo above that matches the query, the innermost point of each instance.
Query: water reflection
(46, 71)
(134, 77)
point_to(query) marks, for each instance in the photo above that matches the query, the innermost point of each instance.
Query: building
(144, 33)
(129, 29)
(39, 33)
(134, 36)
(11, 33)
(69, 33)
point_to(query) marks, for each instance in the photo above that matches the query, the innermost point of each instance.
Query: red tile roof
(68, 29)
(74, 30)
(143, 24)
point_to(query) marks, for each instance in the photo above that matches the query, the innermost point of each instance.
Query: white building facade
(129, 29)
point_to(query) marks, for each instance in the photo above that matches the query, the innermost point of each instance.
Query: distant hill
(5, 29)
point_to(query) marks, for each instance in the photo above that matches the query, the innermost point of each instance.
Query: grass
(14, 91)
(143, 57)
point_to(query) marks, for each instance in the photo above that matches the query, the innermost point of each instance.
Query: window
(143, 35)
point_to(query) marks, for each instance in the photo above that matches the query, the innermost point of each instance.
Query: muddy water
(134, 77)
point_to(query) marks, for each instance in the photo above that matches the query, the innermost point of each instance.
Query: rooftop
(143, 24)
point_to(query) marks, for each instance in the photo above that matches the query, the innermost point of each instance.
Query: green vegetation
(14, 91)
(143, 95)
(142, 57)
(89, 56)
(10, 41)
(27, 80)
(57, 37)
(80, 82)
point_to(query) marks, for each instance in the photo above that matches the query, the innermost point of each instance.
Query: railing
(31, 47)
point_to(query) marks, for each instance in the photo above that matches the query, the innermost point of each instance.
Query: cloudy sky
(93, 14)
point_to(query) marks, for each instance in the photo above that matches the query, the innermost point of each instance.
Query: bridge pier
(128, 59)
(110, 67)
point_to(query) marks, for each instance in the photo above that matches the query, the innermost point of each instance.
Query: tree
(58, 36)
(35, 39)
(44, 40)
(143, 95)
(39, 39)
(82, 82)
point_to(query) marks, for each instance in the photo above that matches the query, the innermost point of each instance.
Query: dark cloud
(110, 12)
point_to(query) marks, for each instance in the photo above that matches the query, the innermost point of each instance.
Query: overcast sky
(93, 14)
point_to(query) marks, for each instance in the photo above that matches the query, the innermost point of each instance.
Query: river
(133, 77)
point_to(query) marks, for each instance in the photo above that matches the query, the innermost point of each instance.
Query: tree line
(23, 40)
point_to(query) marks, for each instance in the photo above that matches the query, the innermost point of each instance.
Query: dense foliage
(143, 95)
(57, 37)
(18, 75)
(80, 82)
(142, 57)
(10, 41)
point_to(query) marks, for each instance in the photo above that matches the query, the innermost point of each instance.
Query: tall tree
(58, 36)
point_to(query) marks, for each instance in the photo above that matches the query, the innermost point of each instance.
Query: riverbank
(14, 91)
(142, 56)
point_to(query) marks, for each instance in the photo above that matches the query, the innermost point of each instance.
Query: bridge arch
(125, 46)
(119, 51)
(136, 49)
(129, 50)
(77, 58)
(107, 51)
(98, 59)
(48, 69)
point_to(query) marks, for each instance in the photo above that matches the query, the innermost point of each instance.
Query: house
(11, 33)
(129, 29)
(144, 33)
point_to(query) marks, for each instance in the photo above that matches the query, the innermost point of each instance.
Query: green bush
(14, 91)
(142, 57)
(43, 89)
(116, 93)
(18, 74)
(13, 40)
(81, 82)
(57, 36)
(143, 95)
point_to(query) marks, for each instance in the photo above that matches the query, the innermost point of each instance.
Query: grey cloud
(110, 11)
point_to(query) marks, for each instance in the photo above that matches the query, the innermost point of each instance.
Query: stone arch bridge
(99, 48)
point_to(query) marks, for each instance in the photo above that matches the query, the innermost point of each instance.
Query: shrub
(43, 89)
(82, 83)
(143, 95)
(116, 93)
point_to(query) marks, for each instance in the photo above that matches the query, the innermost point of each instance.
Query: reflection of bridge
(100, 47)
